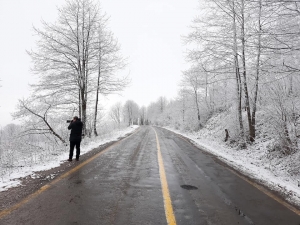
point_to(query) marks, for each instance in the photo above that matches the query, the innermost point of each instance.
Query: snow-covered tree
(76, 59)
(116, 113)
(131, 112)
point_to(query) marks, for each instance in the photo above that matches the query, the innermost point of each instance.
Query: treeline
(244, 58)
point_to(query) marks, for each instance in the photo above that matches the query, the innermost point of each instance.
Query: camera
(70, 121)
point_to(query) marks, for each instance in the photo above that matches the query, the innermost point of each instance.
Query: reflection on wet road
(151, 177)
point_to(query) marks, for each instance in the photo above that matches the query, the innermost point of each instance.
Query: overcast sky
(149, 32)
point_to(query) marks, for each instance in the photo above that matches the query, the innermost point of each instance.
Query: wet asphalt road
(123, 186)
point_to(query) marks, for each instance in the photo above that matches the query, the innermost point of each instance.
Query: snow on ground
(11, 179)
(279, 173)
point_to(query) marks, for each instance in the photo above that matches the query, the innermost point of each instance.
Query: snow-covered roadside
(11, 180)
(274, 172)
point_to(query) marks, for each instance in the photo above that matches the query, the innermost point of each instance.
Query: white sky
(149, 32)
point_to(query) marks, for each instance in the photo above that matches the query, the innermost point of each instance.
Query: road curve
(151, 177)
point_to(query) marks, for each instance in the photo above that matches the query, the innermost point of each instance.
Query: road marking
(164, 184)
(254, 184)
(5, 212)
(267, 192)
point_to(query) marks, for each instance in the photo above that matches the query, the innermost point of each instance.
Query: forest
(244, 58)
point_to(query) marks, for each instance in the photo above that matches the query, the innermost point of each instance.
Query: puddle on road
(188, 187)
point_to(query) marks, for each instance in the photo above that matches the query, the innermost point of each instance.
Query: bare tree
(66, 54)
(193, 80)
(230, 42)
(282, 114)
(109, 61)
(116, 112)
(256, 44)
(39, 114)
(183, 94)
(162, 103)
(217, 37)
(143, 115)
(131, 110)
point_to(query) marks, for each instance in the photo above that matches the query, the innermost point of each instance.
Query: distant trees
(116, 113)
(162, 103)
(8, 140)
(76, 59)
(143, 116)
(182, 102)
(131, 112)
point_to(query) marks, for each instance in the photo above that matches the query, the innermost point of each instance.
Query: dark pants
(72, 145)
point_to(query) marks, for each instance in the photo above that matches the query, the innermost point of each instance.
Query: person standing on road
(75, 137)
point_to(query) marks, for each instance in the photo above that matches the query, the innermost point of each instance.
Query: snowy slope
(270, 168)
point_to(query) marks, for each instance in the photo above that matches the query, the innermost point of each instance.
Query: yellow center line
(5, 212)
(164, 184)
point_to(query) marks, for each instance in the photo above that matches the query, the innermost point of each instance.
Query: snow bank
(274, 170)
(10, 178)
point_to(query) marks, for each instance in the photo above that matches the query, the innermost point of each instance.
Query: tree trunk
(247, 102)
(83, 108)
(287, 140)
(198, 110)
(97, 99)
(79, 104)
(238, 80)
(206, 91)
(226, 135)
(96, 111)
(253, 118)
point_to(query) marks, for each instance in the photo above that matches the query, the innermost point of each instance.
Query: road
(151, 177)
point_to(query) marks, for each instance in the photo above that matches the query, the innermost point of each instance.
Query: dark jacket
(76, 130)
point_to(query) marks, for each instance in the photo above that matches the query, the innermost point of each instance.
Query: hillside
(260, 161)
